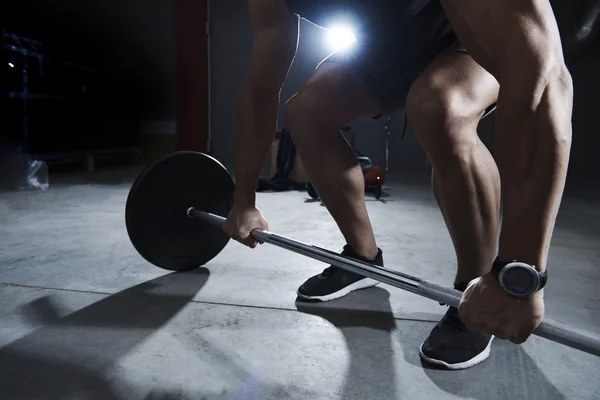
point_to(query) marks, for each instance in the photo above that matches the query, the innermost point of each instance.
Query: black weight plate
(156, 210)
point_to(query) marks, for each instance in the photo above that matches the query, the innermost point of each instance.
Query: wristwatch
(518, 278)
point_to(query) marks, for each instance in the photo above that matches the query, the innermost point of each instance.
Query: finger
(516, 340)
(463, 313)
(258, 242)
(471, 283)
(483, 327)
(238, 238)
(491, 328)
(475, 323)
(470, 316)
(249, 241)
(264, 228)
(500, 332)
(479, 323)
(519, 338)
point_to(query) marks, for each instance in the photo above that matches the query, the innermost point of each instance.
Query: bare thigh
(332, 97)
(505, 35)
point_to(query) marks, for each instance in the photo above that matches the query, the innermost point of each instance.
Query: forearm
(256, 126)
(274, 47)
(533, 146)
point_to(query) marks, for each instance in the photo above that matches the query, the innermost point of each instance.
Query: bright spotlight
(340, 38)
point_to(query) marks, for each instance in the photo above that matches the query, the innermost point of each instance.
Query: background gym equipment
(374, 177)
(175, 214)
(373, 174)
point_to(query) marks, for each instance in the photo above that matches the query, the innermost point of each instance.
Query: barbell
(175, 213)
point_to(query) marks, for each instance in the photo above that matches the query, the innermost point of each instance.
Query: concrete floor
(83, 316)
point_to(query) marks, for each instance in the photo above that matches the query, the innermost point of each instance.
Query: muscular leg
(445, 105)
(519, 43)
(332, 98)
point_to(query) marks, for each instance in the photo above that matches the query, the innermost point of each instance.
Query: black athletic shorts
(396, 40)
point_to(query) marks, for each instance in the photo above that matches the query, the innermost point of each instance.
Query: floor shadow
(515, 374)
(508, 373)
(381, 200)
(369, 341)
(247, 381)
(368, 199)
(311, 200)
(71, 357)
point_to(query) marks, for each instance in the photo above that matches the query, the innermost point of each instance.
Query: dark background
(130, 41)
(134, 42)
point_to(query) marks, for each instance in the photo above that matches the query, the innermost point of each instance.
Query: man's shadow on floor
(78, 355)
(370, 334)
(71, 357)
(369, 197)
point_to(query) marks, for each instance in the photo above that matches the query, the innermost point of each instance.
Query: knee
(431, 106)
(443, 118)
(295, 108)
(304, 111)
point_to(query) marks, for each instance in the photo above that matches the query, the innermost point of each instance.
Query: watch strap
(543, 279)
(497, 267)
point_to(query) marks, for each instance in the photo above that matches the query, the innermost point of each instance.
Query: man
(409, 56)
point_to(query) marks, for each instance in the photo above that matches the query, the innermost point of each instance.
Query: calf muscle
(519, 43)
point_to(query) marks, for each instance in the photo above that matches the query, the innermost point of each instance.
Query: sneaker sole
(463, 365)
(362, 284)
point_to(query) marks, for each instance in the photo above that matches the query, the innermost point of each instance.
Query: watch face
(520, 280)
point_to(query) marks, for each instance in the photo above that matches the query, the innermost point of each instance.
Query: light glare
(340, 38)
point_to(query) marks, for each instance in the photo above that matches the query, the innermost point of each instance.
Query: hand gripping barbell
(175, 213)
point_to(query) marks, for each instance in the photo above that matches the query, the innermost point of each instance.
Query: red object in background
(193, 130)
(375, 175)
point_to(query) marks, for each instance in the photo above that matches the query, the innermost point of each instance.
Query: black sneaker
(335, 282)
(451, 345)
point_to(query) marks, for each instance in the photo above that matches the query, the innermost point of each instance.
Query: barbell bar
(551, 330)
(175, 216)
